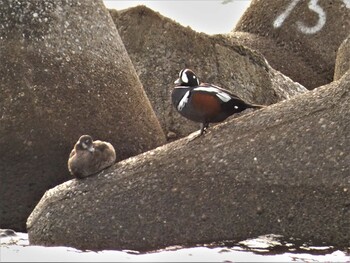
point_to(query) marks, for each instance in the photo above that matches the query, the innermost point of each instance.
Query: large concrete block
(298, 38)
(64, 72)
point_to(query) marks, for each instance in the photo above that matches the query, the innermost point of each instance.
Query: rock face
(282, 170)
(64, 72)
(299, 38)
(159, 48)
(342, 64)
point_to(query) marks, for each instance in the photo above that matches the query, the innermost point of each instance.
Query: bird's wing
(222, 94)
(219, 89)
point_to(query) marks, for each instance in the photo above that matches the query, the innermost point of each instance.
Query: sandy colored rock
(282, 170)
(342, 64)
(298, 38)
(64, 72)
(159, 48)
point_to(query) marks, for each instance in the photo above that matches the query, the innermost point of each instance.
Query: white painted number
(314, 6)
(280, 19)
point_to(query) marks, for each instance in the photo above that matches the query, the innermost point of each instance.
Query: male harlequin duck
(89, 157)
(205, 103)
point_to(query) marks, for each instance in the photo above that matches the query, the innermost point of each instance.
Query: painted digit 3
(313, 5)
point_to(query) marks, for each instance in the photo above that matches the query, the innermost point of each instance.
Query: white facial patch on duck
(183, 101)
(91, 149)
(218, 93)
(184, 78)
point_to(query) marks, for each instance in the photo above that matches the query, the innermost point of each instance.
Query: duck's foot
(204, 126)
(199, 133)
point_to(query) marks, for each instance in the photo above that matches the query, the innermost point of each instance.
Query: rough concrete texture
(342, 64)
(159, 48)
(282, 170)
(298, 38)
(64, 72)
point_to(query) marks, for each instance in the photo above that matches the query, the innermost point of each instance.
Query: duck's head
(85, 142)
(187, 78)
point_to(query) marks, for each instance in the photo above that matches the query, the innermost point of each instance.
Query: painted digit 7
(280, 19)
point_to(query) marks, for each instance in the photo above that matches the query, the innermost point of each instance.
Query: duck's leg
(204, 126)
(202, 131)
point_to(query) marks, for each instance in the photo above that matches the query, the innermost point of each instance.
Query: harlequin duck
(205, 103)
(89, 157)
